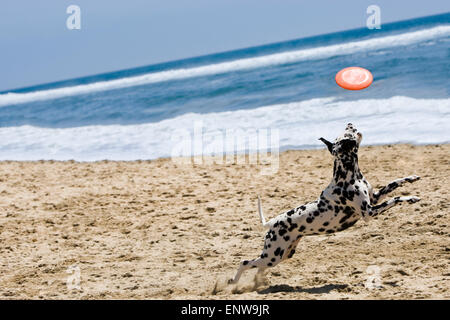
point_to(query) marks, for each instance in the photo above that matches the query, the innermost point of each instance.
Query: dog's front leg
(383, 192)
(370, 211)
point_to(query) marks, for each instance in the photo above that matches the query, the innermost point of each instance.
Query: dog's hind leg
(383, 192)
(291, 249)
(247, 264)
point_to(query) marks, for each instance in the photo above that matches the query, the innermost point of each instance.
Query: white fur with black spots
(347, 198)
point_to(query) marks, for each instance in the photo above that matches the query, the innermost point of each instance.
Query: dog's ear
(328, 144)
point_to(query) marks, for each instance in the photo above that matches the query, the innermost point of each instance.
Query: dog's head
(346, 145)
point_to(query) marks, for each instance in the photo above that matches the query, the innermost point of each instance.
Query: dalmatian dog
(347, 198)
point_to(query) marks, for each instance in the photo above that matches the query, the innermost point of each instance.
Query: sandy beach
(160, 230)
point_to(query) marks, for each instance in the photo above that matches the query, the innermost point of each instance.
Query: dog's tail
(261, 214)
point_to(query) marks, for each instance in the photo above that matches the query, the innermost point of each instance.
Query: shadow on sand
(315, 290)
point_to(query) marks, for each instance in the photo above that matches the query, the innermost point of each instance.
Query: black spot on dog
(343, 219)
(291, 254)
(348, 210)
(364, 205)
(350, 195)
(347, 225)
(339, 173)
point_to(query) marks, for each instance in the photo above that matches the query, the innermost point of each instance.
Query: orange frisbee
(354, 78)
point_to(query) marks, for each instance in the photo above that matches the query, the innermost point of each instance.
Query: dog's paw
(412, 179)
(413, 199)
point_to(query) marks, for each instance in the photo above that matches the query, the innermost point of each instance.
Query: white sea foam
(235, 65)
(392, 120)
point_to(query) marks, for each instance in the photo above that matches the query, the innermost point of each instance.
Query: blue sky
(36, 47)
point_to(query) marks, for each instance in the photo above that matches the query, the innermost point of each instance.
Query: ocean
(142, 113)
